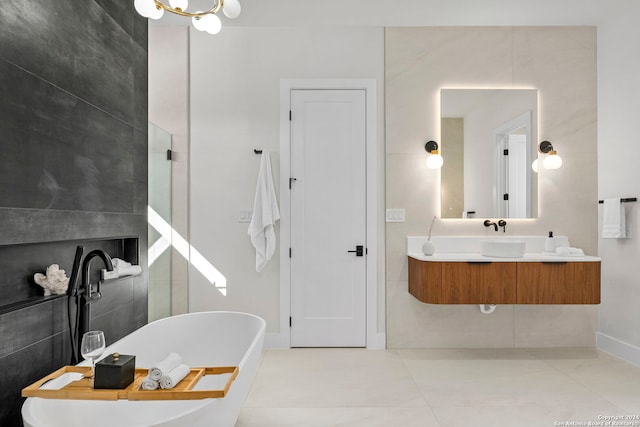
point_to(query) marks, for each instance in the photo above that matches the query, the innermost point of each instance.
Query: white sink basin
(502, 248)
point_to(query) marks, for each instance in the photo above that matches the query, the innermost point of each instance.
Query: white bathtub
(202, 339)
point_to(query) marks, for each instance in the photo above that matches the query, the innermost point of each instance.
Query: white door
(328, 218)
(518, 170)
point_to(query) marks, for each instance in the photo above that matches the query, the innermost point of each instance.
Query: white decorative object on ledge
(55, 282)
(428, 248)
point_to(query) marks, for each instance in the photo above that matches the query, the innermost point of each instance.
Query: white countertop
(528, 257)
(467, 249)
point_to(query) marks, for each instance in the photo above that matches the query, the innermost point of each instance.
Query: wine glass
(92, 347)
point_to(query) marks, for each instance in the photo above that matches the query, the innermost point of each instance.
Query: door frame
(374, 292)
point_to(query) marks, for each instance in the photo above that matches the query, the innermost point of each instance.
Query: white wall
(561, 63)
(235, 86)
(618, 160)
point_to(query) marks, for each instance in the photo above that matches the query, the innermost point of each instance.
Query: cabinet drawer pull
(478, 262)
(554, 262)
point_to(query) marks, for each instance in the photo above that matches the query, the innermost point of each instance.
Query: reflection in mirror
(488, 141)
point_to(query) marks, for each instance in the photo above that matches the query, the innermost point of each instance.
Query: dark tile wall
(73, 169)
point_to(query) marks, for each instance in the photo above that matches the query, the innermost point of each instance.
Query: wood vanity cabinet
(462, 282)
(505, 282)
(478, 283)
(558, 283)
(425, 280)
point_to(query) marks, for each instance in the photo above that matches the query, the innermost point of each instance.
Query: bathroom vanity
(459, 274)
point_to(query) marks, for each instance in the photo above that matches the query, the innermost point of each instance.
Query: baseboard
(276, 340)
(379, 342)
(618, 348)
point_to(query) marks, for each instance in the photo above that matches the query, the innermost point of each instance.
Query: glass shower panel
(159, 223)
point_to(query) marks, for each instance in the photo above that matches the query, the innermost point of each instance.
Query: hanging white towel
(613, 220)
(265, 214)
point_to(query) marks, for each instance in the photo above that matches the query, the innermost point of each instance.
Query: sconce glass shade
(231, 8)
(209, 23)
(148, 9)
(552, 161)
(214, 25)
(157, 14)
(199, 23)
(535, 166)
(434, 160)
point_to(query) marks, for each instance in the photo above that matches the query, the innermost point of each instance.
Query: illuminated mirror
(488, 142)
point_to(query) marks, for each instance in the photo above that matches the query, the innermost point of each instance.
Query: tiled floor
(441, 388)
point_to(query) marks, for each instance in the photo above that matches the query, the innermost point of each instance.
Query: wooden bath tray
(82, 389)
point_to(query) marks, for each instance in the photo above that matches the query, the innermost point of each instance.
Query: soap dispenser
(550, 243)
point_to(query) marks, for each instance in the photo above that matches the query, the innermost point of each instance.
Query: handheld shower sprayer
(72, 291)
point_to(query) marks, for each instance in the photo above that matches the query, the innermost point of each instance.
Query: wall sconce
(553, 160)
(434, 160)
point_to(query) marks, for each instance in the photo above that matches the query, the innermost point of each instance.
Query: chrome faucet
(488, 223)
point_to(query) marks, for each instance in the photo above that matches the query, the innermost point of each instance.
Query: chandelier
(202, 20)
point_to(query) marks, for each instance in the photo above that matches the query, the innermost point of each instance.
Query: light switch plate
(395, 215)
(245, 216)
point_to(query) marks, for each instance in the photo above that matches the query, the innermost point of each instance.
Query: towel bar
(627, 200)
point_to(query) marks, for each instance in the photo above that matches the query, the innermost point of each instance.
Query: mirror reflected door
(513, 175)
(488, 142)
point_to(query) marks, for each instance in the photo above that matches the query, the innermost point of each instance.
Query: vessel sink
(502, 248)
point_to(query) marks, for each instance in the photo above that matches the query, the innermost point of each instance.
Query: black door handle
(359, 250)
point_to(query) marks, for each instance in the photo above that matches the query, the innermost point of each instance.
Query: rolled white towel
(117, 263)
(124, 268)
(165, 366)
(171, 379)
(568, 251)
(149, 384)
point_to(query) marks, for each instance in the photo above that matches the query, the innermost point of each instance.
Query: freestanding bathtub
(202, 339)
